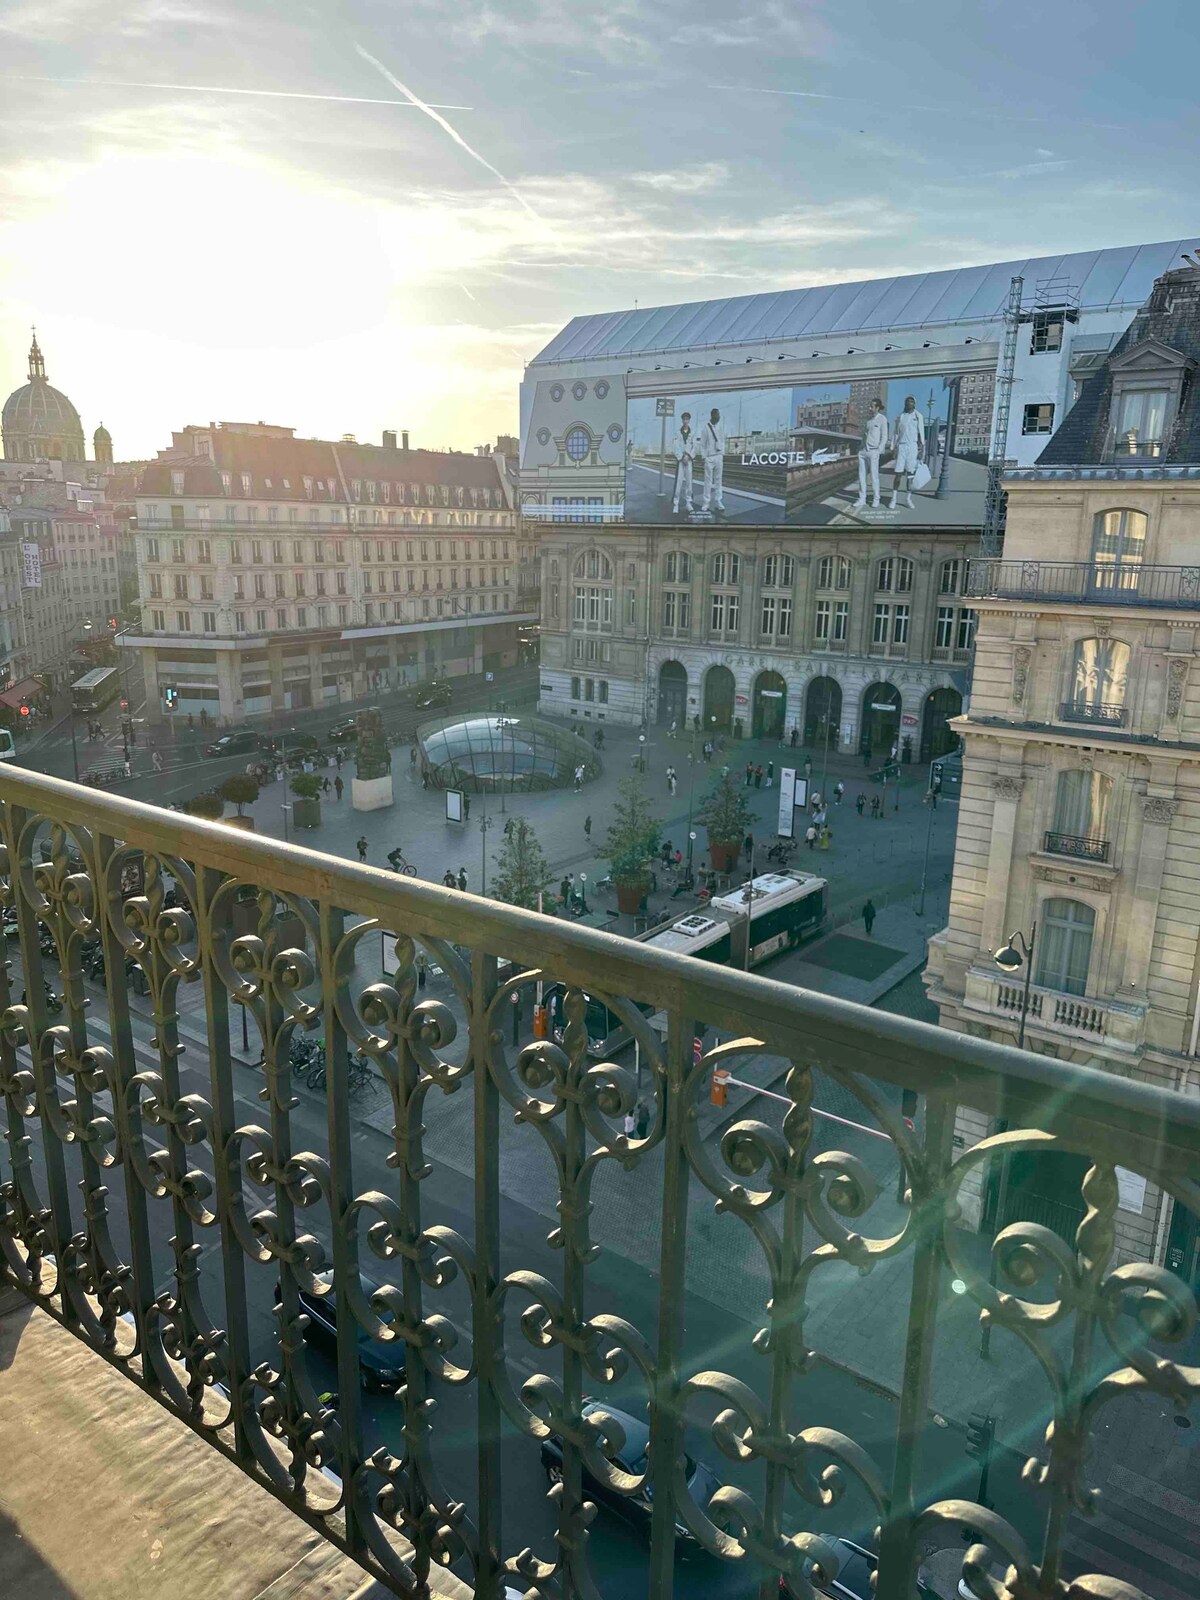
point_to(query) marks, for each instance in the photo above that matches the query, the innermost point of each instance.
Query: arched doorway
(672, 694)
(937, 738)
(770, 706)
(881, 719)
(822, 713)
(718, 700)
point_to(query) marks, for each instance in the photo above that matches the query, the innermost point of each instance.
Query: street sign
(664, 406)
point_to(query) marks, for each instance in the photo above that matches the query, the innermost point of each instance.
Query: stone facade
(735, 625)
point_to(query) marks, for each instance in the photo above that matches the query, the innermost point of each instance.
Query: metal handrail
(1073, 844)
(140, 1131)
(1125, 583)
(1107, 711)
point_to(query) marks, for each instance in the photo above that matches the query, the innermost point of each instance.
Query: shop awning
(27, 689)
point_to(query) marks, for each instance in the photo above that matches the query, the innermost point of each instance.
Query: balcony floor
(145, 1507)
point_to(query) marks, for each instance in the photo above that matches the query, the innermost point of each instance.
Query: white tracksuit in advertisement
(874, 439)
(908, 440)
(712, 448)
(684, 448)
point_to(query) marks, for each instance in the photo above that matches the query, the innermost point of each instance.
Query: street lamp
(1009, 960)
(583, 893)
(642, 753)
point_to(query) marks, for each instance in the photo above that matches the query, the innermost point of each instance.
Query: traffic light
(981, 1429)
(170, 697)
(935, 776)
(24, 708)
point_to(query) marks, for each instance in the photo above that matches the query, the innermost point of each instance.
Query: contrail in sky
(862, 100)
(212, 88)
(429, 111)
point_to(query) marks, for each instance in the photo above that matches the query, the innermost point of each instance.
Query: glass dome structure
(494, 753)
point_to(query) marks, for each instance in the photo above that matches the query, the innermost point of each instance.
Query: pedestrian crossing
(1143, 1533)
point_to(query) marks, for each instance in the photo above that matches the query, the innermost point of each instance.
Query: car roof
(637, 1433)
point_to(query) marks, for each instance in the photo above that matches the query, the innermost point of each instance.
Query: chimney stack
(404, 439)
(389, 438)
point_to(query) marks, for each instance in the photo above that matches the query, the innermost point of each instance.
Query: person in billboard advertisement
(685, 449)
(712, 448)
(875, 436)
(908, 441)
(907, 452)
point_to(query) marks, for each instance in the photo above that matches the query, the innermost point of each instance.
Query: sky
(371, 214)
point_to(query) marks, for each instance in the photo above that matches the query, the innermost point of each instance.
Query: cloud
(684, 180)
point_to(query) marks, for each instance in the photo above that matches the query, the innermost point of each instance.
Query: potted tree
(522, 871)
(209, 806)
(727, 818)
(306, 786)
(240, 789)
(631, 845)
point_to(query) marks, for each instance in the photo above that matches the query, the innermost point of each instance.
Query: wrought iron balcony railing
(1092, 582)
(1104, 711)
(1073, 844)
(165, 1175)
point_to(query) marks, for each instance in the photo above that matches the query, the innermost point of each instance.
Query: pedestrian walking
(866, 755)
(362, 847)
(462, 879)
(642, 1119)
(749, 773)
(868, 916)
(128, 767)
(672, 730)
(826, 836)
(448, 879)
(325, 785)
(666, 852)
(587, 828)
(338, 786)
(564, 888)
(629, 1125)
(807, 769)
(875, 805)
(770, 777)
(157, 761)
(466, 808)
(696, 722)
(748, 847)
(795, 738)
(421, 973)
(860, 802)
(672, 781)
(337, 756)
(412, 754)
(839, 790)
(810, 835)
(758, 776)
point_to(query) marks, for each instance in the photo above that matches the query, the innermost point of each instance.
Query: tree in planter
(210, 806)
(522, 871)
(727, 817)
(632, 843)
(240, 789)
(306, 786)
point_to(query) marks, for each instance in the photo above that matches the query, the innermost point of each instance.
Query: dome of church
(38, 421)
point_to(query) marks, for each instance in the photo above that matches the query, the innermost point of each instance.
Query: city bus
(95, 691)
(8, 750)
(787, 908)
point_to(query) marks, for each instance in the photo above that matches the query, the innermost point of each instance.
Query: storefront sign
(32, 554)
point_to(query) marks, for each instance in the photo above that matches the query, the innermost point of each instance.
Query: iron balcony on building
(165, 1174)
(1099, 711)
(1088, 582)
(1072, 844)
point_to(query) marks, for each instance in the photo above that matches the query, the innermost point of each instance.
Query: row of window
(183, 585)
(326, 488)
(595, 689)
(319, 550)
(893, 574)
(324, 616)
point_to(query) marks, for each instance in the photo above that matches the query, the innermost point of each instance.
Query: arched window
(779, 572)
(593, 564)
(833, 572)
(1099, 672)
(894, 574)
(1081, 800)
(1065, 945)
(578, 443)
(1118, 544)
(726, 567)
(593, 600)
(677, 567)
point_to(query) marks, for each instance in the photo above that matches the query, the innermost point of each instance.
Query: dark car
(381, 1366)
(632, 1458)
(344, 732)
(856, 1568)
(433, 694)
(291, 741)
(235, 743)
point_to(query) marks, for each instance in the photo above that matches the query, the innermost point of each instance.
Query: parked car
(702, 1482)
(856, 1569)
(380, 1365)
(433, 694)
(237, 742)
(344, 732)
(292, 740)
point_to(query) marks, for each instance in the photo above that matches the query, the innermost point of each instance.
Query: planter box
(371, 794)
(288, 929)
(724, 856)
(629, 896)
(306, 813)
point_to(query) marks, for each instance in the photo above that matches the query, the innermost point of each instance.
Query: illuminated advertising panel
(868, 451)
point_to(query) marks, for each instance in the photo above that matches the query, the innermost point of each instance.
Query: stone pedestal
(371, 794)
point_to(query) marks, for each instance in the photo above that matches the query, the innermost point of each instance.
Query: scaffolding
(993, 506)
